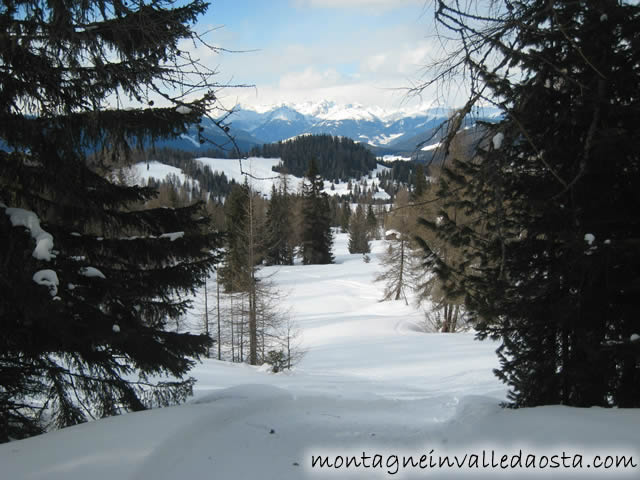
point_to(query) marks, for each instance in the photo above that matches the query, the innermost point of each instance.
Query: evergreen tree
(243, 255)
(335, 157)
(554, 272)
(280, 246)
(235, 267)
(346, 217)
(419, 181)
(372, 223)
(317, 238)
(90, 283)
(359, 233)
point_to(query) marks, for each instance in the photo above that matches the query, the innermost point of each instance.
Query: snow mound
(48, 278)
(20, 217)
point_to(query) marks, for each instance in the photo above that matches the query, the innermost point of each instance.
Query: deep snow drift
(370, 384)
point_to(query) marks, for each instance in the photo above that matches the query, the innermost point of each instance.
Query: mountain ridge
(391, 129)
(400, 131)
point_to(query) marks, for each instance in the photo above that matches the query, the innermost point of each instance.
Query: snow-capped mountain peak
(397, 130)
(329, 110)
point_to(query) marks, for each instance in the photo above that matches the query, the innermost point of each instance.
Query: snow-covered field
(260, 176)
(143, 171)
(257, 167)
(371, 386)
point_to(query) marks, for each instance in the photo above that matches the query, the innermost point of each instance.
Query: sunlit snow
(430, 147)
(143, 171)
(257, 171)
(395, 158)
(372, 381)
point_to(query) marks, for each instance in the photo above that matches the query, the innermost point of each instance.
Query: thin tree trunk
(241, 345)
(454, 322)
(565, 366)
(401, 273)
(289, 347)
(233, 348)
(206, 315)
(219, 329)
(447, 320)
(253, 327)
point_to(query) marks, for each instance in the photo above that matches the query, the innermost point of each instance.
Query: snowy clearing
(257, 167)
(261, 176)
(371, 383)
(394, 158)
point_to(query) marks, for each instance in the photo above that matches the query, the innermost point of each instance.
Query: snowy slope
(261, 175)
(143, 171)
(370, 383)
(257, 170)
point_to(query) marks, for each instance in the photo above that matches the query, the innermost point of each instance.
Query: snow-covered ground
(262, 177)
(143, 171)
(394, 158)
(257, 170)
(371, 386)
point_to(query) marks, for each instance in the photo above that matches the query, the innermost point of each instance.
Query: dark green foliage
(234, 271)
(372, 223)
(336, 157)
(400, 171)
(317, 238)
(359, 241)
(554, 232)
(419, 181)
(280, 248)
(345, 217)
(277, 359)
(90, 346)
(215, 183)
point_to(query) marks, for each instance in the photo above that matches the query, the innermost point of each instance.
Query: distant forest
(216, 183)
(400, 173)
(337, 158)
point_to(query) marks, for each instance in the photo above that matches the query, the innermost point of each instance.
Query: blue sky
(348, 51)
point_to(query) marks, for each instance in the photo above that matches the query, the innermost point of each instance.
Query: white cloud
(310, 78)
(373, 66)
(400, 59)
(348, 90)
(374, 63)
(380, 74)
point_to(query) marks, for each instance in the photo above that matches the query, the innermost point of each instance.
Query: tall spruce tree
(359, 241)
(345, 217)
(317, 238)
(279, 228)
(419, 181)
(234, 271)
(551, 225)
(372, 223)
(89, 283)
